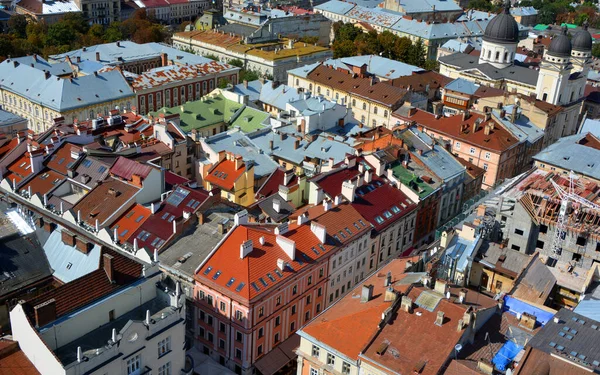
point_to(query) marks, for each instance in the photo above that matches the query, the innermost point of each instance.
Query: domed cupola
(503, 28)
(582, 40)
(560, 45)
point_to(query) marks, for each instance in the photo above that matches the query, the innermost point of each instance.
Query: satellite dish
(458, 347)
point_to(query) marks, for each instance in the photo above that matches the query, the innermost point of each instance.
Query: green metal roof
(412, 181)
(540, 27)
(250, 119)
(204, 112)
(569, 25)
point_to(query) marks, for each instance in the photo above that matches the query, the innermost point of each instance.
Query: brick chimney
(239, 161)
(164, 59)
(45, 313)
(68, 238)
(97, 56)
(82, 245)
(406, 304)
(109, 267)
(49, 227)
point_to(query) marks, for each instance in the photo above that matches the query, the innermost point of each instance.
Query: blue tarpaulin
(505, 355)
(516, 306)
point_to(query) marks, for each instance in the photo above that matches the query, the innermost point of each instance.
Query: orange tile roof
(5, 148)
(130, 221)
(224, 174)
(20, 168)
(349, 324)
(414, 338)
(261, 261)
(44, 181)
(13, 361)
(104, 200)
(499, 138)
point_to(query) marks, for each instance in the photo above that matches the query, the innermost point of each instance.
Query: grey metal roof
(567, 153)
(522, 127)
(91, 170)
(253, 90)
(237, 142)
(68, 262)
(591, 126)
(130, 51)
(380, 66)
(589, 308)
(513, 73)
(573, 338)
(304, 71)
(523, 11)
(279, 96)
(561, 44)
(463, 86)
(411, 6)
(58, 69)
(62, 94)
(437, 159)
(582, 40)
(460, 250)
(9, 119)
(312, 105)
(335, 6)
(502, 29)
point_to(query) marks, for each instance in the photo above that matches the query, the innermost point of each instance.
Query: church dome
(561, 44)
(502, 29)
(582, 40)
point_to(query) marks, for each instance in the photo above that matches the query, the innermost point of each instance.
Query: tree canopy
(351, 41)
(26, 36)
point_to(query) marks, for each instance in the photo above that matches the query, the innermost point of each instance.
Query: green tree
(236, 62)
(387, 41)
(347, 32)
(344, 48)
(60, 34)
(17, 24)
(113, 33)
(248, 75)
(367, 43)
(596, 50)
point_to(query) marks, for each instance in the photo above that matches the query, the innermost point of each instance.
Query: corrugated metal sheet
(126, 168)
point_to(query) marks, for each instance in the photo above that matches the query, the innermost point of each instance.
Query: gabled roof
(125, 168)
(43, 182)
(242, 277)
(130, 221)
(224, 174)
(78, 293)
(61, 160)
(104, 200)
(271, 185)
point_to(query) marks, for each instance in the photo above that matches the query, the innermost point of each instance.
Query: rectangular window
(277, 321)
(164, 346)
(133, 364)
(276, 338)
(488, 155)
(238, 336)
(261, 332)
(223, 306)
(314, 371)
(221, 327)
(345, 368)
(519, 232)
(165, 369)
(472, 151)
(330, 359)
(315, 351)
(239, 315)
(238, 353)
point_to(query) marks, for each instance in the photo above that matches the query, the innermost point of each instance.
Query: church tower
(500, 40)
(582, 50)
(555, 69)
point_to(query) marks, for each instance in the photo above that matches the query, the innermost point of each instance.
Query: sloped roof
(125, 168)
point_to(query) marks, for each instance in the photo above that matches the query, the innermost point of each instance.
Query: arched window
(497, 55)
(489, 54)
(364, 106)
(545, 96)
(505, 56)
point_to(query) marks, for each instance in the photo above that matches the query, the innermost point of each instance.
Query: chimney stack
(406, 304)
(439, 320)
(388, 279)
(441, 286)
(366, 294)
(462, 295)
(277, 205)
(68, 238)
(97, 56)
(109, 267)
(45, 313)
(390, 295)
(246, 248)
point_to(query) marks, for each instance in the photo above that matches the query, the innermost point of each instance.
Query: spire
(564, 30)
(585, 24)
(507, 7)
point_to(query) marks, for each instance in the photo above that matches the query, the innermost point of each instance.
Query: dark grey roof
(514, 72)
(490, 253)
(573, 338)
(561, 44)
(537, 283)
(266, 205)
(502, 29)
(22, 259)
(582, 40)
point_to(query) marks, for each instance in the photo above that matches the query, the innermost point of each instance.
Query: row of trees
(351, 41)
(27, 36)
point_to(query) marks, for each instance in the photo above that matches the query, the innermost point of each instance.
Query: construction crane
(567, 198)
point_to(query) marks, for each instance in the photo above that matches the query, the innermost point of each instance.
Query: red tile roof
(13, 361)
(125, 169)
(130, 221)
(262, 260)
(172, 179)
(19, 169)
(224, 174)
(89, 288)
(499, 138)
(349, 324)
(6, 147)
(420, 80)
(331, 182)
(104, 200)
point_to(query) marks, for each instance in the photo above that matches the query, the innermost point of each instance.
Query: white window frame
(164, 346)
(472, 151)
(488, 155)
(134, 364)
